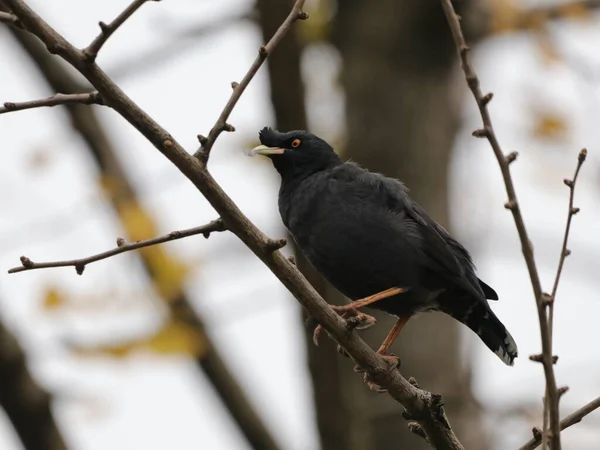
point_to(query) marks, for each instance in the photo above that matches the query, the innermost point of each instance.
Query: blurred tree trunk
(403, 112)
(26, 403)
(402, 116)
(159, 265)
(288, 99)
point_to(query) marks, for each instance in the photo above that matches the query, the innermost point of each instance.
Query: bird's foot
(317, 334)
(374, 387)
(354, 320)
(392, 360)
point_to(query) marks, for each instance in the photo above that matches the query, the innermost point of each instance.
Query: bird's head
(296, 153)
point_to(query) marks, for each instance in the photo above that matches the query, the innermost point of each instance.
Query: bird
(371, 241)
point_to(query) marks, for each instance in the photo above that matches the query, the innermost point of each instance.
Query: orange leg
(357, 304)
(392, 335)
(391, 359)
(350, 309)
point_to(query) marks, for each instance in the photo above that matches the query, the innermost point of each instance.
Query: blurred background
(195, 344)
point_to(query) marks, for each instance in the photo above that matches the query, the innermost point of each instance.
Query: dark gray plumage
(364, 234)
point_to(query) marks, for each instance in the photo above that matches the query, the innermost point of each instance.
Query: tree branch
(571, 419)
(564, 252)
(206, 143)
(122, 247)
(423, 407)
(91, 51)
(551, 398)
(549, 300)
(122, 197)
(55, 100)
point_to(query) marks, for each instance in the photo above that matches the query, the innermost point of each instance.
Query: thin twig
(122, 247)
(564, 252)
(571, 419)
(55, 100)
(551, 397)
(206, 143)
(425, 407)
(91, 51)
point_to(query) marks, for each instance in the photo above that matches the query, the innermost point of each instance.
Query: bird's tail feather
(482, 320)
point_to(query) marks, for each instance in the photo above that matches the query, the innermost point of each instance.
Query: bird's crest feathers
(269, 137)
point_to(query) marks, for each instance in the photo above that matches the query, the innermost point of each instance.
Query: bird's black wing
(443, 255)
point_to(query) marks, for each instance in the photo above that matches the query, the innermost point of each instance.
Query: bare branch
(549, 299)
(238, 88)
(571, 419)
(424, 407)
(122, 247)
(551, 397)
(86, 124)
(55, 100)
(91, 51)
(564, 250)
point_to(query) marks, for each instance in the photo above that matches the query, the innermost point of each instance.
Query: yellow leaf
(504, 16)
(137, 223)
(109, 185)
(550, 125)
(115, 351)
(546, 46)
(507, 16)
(575, 10)
(178, 338)
(174, 338)
(318, 28)
(167, 273)
(53, 299)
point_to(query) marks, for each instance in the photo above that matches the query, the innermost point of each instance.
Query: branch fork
(90, 53)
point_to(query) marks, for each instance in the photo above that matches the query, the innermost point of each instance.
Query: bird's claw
(359, 321)
(354, 320)
(372, 385)
(392, 360)
(317, 334)
(342, 351)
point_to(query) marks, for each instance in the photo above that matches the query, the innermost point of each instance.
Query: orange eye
(296, 143)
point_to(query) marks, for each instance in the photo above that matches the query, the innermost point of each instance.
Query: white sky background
(55, 211)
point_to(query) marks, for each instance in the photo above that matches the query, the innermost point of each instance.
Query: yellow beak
(266, 151)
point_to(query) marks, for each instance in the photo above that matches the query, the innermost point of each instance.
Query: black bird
(366, 236)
